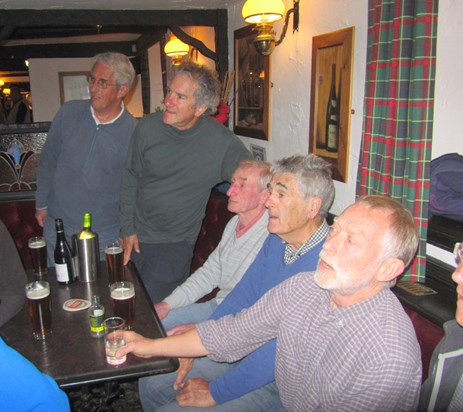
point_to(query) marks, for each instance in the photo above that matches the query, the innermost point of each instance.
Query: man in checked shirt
(344, 342)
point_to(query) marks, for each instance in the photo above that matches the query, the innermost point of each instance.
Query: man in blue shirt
(301, 193)
(25, 388)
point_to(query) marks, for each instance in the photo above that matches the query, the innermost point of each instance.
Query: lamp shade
(175, 48)
(263, 11)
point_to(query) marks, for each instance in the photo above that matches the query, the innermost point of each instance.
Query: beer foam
(113, 250)
(38, 293)
(37, 244)
(122, 293)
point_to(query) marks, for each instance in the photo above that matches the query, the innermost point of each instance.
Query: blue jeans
(194, 313)
(157, 393)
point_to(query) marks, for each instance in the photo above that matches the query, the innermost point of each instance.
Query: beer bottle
(63, 256)
(86, 232)
(96, 317)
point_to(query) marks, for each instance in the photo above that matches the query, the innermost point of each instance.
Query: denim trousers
(157, 392)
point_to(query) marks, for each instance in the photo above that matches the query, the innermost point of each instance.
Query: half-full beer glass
(123, 301)
(39, 300)
(38, 250)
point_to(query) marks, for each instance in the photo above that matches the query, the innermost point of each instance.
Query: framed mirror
(330, 100)
(252, 87)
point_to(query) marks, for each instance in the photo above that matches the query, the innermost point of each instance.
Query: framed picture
(252, 87)
(330, 100)
(258, 152)
(73, 86)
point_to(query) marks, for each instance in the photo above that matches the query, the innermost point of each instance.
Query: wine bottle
(63, 256)
(332, 116)
(96, 317)
(86, 232)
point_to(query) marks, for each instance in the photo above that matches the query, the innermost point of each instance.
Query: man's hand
(130, 243)
(40, 215)
(179, 329)
(185, 366)
(136, 344)
(196, 393)
(162, 309)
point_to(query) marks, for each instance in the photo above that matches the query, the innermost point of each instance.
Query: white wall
(290, 75)
(291, 71)
(44, 82)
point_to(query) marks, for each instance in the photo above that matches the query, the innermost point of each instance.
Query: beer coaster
(74, 305)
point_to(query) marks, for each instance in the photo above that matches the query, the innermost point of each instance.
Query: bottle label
(332, 136)
(62, 273)
(97, 321)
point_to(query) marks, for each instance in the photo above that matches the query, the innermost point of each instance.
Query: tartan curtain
(396, 144)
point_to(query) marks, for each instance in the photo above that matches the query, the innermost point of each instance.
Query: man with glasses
(82, 161)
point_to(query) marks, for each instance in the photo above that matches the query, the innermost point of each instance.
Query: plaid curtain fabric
(398, 109)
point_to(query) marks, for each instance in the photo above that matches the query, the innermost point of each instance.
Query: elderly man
(82, 162)
(344, 342)
(174, 160)
(241, 240)
(301, 193)
(443, 389)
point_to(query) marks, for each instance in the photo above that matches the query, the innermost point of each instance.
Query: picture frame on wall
(330, 100)
(252, 87)
(258, 152)
(73, 86)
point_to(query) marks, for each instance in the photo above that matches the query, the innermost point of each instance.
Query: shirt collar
(318, 236)
(111, 121)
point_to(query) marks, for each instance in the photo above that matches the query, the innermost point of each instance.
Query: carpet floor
(110, 397)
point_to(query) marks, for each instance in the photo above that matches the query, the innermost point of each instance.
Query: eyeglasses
(102, 83)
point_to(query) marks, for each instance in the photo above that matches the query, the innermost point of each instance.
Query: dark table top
(70, 355)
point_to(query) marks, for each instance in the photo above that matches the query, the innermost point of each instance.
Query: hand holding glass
(114, 339)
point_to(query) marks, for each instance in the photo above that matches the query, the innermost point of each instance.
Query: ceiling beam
(34, 18)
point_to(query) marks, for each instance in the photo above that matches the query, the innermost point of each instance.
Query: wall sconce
(263, 13)
(176, 49)
(6, 91)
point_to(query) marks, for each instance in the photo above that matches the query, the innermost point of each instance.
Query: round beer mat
(74, 305)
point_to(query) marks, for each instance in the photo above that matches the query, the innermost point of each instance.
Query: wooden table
(70, 355)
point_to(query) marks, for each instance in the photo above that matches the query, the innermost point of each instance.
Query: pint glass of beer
(115, 259)
(123, 301)
(38, 249)
(39, 300)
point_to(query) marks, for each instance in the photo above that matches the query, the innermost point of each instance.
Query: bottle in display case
(332, 116)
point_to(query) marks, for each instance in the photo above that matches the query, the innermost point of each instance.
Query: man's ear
(264, 195)
(123, 91)
(390, 269)
(314, 205)
(200, 110)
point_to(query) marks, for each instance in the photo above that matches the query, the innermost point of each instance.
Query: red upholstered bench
(19, 218)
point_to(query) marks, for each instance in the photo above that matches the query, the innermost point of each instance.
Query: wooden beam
(197, 44)
(53, 18)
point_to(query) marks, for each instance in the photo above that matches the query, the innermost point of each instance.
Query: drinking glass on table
(39, 301)
(123, 301)
(115, 261)
(38, 250)
(113, 340)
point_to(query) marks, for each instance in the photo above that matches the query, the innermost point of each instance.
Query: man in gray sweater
(175, 158)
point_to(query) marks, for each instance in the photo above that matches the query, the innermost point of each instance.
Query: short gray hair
(401, 239)
(124, 73)
(265, 170)
(208, 91)
(313, 175)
